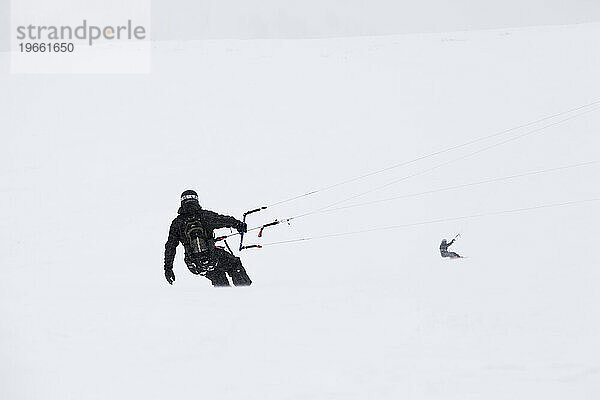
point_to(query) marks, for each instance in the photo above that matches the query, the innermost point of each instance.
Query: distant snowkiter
(194, 228)
(444, 249)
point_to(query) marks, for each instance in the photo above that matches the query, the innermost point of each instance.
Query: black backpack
(200, 242)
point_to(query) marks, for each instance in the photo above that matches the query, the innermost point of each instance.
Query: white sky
(191, 19)
(314, 18)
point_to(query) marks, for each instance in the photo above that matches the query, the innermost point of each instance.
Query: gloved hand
(242, 228)
(169, 275)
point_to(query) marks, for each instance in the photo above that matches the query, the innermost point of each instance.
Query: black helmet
(189, 196)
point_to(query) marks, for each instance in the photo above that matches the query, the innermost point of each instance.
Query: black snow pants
(226, 264)
(450, 254)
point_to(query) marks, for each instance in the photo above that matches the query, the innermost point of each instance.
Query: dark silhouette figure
(444, 249)
(194, 228)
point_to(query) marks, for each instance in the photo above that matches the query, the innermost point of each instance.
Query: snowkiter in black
(444, 249)
(194, 228)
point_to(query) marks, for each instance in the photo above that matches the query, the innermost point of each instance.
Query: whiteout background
(201, 19)
(92, 167)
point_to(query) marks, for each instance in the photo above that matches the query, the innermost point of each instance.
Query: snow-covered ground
(91, 168)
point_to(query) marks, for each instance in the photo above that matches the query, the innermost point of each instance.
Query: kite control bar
(260, 233)
(242, 247)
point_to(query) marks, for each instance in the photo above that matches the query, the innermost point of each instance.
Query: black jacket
(210, 221)
(444, 245)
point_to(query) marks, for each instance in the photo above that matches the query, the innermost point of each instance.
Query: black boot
(239, 277)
